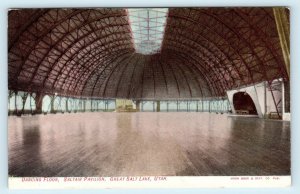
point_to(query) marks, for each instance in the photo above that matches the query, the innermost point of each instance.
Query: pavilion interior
(149, 91)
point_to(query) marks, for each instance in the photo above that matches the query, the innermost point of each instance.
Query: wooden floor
(141, 144)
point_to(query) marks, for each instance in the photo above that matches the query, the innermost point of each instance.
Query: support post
(30, 95)
(153, 106)
(39, 103)
(158, 106)
(167, 106)
(24, 97)
(52, 104)
(91, 105)
(106, 105)
(265, 99)
(137, 104)
(16, 108)
(67, 104)
(187, 106)
(84, 103)
(286, 93)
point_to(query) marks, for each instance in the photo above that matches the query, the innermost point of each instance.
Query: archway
(243, 103)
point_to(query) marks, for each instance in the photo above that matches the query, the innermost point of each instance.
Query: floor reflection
(133, 144)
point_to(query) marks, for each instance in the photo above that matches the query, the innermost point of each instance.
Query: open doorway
(243, 103)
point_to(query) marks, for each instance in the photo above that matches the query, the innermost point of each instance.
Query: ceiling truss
(93, 53)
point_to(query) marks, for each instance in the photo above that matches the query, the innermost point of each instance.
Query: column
(52, 104)
(157, 106)
(137, 104)
(39, 103)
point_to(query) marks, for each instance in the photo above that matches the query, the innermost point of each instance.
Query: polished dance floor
(142, 144)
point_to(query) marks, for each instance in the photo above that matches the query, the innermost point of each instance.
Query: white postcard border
(142, 182)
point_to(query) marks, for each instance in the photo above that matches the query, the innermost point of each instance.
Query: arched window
(15, 102)
(30, 103)
(46, 107)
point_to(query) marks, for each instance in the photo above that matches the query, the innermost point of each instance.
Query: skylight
(148, 26)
